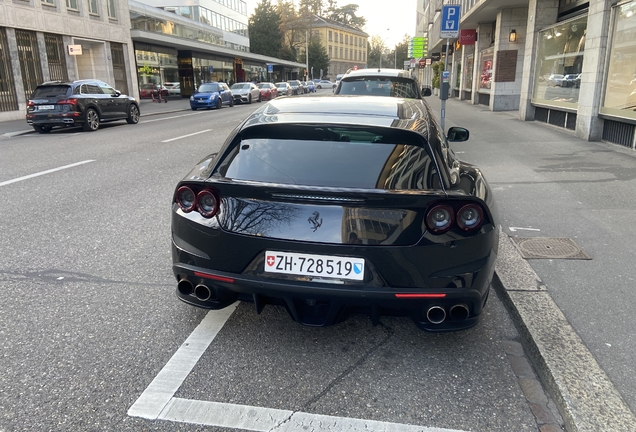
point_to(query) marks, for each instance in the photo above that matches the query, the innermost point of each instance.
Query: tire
(42, 129)
(260, 98)
(91, 120)
(193, 108)
(219, 103)
(249, 99)
(232, 103)
(133, 114)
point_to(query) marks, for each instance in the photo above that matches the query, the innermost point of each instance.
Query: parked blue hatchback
(211, 95)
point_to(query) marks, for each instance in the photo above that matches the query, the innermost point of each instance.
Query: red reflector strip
(420, 295)
(214, 277)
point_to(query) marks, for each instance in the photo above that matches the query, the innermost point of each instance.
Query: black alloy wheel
(42, 129)
(133, 114)
(91, 120)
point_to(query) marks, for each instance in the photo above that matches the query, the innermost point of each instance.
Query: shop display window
(468, 73)
(485, 70)
(559, 63)
(620, 86)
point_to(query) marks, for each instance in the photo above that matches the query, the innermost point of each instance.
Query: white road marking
(260, 419)
(172, 117)
(45, 172)
(513, 229)
(185, 136)
(157, 402)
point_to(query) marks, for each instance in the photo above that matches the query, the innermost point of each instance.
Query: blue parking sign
(270, 68)
(450, 21)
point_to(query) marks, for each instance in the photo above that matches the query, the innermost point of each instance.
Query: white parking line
(157, 402)
(185, 136)
(45, 172)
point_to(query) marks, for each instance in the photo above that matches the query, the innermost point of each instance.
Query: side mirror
(458, 134)
(426, 91)
(117, 93)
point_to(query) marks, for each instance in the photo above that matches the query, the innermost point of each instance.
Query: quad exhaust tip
(436, 314)
(185, 287)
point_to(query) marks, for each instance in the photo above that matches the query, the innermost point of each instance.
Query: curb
(585, 397)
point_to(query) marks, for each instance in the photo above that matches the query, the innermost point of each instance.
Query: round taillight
(470, 217)
(186, 199)
(439, 218)
(207, 203)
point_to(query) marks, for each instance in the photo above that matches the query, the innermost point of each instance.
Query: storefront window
(468, 73)
(560, 61)
(485, 74)
(620, 89)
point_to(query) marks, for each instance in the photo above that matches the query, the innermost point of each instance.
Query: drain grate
(547, 247)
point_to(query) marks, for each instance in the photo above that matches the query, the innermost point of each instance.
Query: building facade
(50, 40)
(568, 63)
(346, 46)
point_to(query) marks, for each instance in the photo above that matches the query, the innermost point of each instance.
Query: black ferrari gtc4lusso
(334, 205)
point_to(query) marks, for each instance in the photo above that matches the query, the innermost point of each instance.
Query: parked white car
(325, 84)
(245, 92)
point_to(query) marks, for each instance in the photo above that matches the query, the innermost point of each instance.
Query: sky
(398, 16)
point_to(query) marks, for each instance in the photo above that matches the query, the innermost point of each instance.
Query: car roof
(378, 72)
(401, 113)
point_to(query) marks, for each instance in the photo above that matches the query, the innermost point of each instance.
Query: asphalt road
(89, 317)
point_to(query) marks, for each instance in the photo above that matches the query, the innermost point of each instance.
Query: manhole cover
(546, 247)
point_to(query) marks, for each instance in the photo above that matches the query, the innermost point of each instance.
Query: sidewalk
(146, 106)
(576, 315)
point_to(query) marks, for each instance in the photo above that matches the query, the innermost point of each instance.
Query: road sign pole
(444, 88)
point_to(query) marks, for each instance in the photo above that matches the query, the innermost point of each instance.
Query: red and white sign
(467, 37)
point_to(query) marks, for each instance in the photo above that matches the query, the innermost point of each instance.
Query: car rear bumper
(322, 303)
(52, 120)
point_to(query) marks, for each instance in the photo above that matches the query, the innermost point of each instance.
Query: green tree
(438, 67)
(311, 7)
(401, 52)
(347, 15)
(294, 29)
(375, 48)
(318, 58)
(264, 30)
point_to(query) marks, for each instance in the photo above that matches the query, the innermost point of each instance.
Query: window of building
(8, 95)
(330, 35)
(72, 5)
(485, 65)
(330, 51)
(93, 7)
(48, 2)
(112, 9)
(559, 63)
(468, 73)
(620, 86)
(347, 39)
(56, 57)
(341, 52)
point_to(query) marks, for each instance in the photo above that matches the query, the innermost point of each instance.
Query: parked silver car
(245, 92)
(284, 89)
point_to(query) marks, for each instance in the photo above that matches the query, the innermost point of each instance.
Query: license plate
(201, 100)
(46, 107)
(314, 265)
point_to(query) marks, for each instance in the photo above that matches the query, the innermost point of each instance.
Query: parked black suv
(84, 103)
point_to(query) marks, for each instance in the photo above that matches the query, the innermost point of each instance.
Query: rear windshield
(240, 86)
(374, 86)
(334, 157)
(208, 88)
(52, 91)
